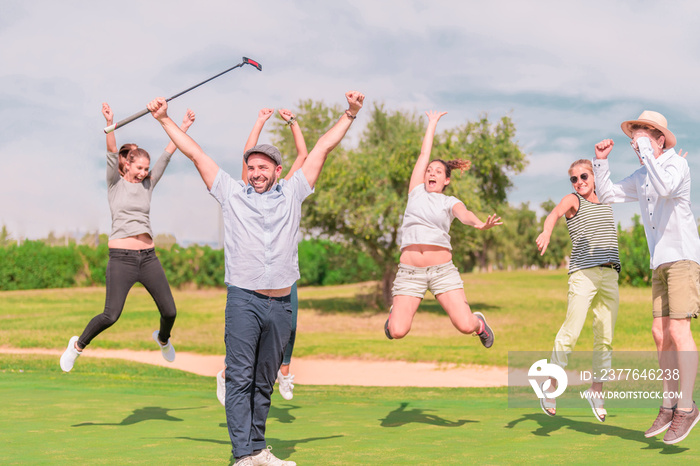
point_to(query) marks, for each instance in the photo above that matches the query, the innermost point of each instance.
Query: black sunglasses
(574, 179)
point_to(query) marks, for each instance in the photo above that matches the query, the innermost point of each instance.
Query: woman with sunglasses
(593, 278)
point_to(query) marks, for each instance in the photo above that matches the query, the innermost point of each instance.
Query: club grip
(125, 121)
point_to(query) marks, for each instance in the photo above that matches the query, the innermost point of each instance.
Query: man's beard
(266, 186)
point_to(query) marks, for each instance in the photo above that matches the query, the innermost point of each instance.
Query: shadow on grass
(149, 413)
(282, 449)
(360, 305)
(548, 425)
(401, 416)
(283, 415)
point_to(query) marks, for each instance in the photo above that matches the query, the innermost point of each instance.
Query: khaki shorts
(675, 290)
(415, 281)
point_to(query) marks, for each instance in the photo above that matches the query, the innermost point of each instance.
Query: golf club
(125, 121)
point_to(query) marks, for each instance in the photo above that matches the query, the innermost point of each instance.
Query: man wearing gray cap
(261, 222)
(662, 188)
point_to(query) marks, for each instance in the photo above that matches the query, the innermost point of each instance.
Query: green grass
(525, 308)
(117, 413)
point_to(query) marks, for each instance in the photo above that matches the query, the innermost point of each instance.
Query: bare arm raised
(109, 118)
(424, 158)
(205, 165)
(187, 121)
(263, 116)
(299, 142)
(568, 205)
(317, 157)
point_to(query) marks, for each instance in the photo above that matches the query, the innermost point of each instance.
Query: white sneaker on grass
(245, 461)
(167, 350)
(70, 355)
(265, 457)
(221, 387)
(286, 386)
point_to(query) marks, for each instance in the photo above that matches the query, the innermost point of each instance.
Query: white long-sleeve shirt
(662, 188)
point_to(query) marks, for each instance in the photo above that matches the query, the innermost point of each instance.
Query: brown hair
(655, 133)
(454, 164)
(123, 152)
(138, 153)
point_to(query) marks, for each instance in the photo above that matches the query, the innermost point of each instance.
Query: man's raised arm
(205, 165)
(317, 157)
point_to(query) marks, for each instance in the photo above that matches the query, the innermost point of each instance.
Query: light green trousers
(596, 289)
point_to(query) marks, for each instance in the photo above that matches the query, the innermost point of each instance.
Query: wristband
(291, 121)
(347, 112)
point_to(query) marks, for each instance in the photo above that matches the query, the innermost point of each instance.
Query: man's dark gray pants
(257, 330)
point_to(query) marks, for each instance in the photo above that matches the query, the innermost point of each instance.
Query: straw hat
(655, 120)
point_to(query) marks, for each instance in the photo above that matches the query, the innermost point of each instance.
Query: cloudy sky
(567, 73)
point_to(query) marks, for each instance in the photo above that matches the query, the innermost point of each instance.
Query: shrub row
(35, 265)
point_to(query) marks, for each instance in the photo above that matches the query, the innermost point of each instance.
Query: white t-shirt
(427, 218)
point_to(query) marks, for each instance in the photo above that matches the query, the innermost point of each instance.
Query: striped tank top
(593, 236)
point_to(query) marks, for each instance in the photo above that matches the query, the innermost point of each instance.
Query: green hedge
(34, 265)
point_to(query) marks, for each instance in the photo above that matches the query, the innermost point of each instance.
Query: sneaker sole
(155, 336)
(71, 343)
(218, 381)
(676, 440)
(593, 408)
(657, 431)
(493, 334)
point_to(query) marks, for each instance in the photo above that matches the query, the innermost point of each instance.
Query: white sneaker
(70, 355)
(286, 385)
(166, 350)
(265, 458)
(221, 387)
(245, 461)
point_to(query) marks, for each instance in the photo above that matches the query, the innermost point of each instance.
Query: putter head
(248, 61)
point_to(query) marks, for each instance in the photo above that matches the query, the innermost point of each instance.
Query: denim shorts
(415, 281)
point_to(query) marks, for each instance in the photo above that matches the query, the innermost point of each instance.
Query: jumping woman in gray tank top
(132, 256)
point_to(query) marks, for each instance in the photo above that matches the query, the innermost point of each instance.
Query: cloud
(567, 73)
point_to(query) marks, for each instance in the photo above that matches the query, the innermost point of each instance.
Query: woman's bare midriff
(425, 255)
(142, 241)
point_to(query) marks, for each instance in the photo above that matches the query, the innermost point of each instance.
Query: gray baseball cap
(265, 149)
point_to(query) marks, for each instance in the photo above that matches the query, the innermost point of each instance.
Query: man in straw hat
(662, 188)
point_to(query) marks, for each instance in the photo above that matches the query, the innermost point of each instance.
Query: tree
(495, 157)
(5, 237)
(634, 254)
(361, 195)
(559, 247)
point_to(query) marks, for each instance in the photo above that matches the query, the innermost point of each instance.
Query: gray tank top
(130, 203)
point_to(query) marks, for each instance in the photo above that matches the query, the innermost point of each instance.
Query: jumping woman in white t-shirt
(132, 256)
(426, 252)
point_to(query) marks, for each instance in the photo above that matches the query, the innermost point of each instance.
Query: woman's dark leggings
(126, 267)
(289, 349)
